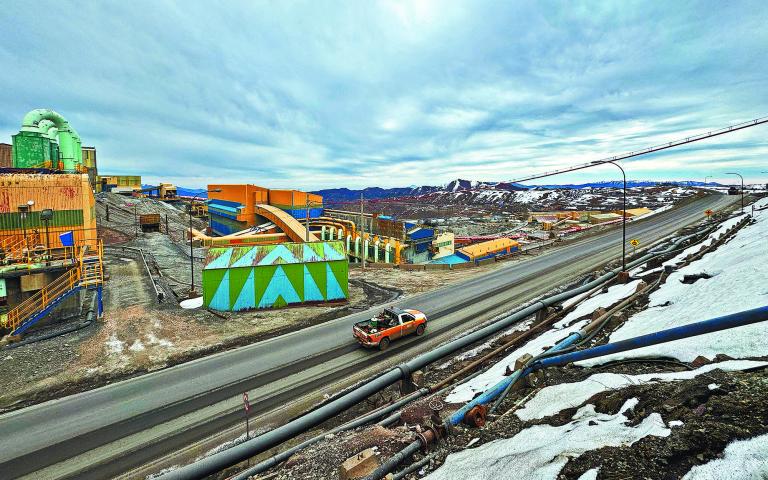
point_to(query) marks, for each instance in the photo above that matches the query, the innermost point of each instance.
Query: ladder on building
(87, 274)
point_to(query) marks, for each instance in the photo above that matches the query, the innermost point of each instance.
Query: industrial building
(603, 218)
(634, 212)
(118, 183)
(49, 250)
(47, 140)
(90, 165)
(267, 276)
(489, 249)
(234, 208)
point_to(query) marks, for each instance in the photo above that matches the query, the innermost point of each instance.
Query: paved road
(45, 434)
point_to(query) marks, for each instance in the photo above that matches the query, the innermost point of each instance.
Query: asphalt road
(51, 432)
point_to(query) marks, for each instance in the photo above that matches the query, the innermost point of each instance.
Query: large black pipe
(262, 443)
(285, 455)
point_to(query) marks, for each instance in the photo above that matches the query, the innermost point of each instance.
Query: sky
(363, 93)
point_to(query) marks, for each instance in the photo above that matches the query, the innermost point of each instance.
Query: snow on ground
(742, 460)
(590, 474)
(467, 390)
(192, 303)
(520, 327)
(553, 399)
(114, 345)
(615, 294)
(708, 241)
(739, 281)
(541, 451)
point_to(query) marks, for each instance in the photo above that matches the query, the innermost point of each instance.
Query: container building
(270, 276)
(489, 249)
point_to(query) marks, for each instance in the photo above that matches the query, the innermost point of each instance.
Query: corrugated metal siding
(6, 160)
(69, 196)
(61, 218)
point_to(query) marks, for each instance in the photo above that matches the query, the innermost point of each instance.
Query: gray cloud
(316, 94)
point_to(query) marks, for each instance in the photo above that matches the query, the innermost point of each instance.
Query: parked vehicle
(389, 325)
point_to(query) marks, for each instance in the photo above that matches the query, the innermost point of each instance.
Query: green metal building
(268, 276)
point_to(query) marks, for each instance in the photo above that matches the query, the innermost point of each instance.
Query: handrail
(86, 273)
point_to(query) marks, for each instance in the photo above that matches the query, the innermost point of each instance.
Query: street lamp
(742, 189)
(191, 250)
(623, 217)
(46, 215)
(705, 179)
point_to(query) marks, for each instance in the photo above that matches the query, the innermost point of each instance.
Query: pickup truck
(390, 324)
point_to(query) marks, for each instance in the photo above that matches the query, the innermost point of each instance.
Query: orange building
(233, 208)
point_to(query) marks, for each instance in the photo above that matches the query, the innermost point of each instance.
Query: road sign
(246, 405)
(634, 242)
(709, 213)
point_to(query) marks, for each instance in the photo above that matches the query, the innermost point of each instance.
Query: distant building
(233, 208)
(635, 212)
(603, 218)
(89, 162)
(442, 245)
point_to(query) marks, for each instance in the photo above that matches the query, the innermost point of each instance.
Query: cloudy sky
(366, 93)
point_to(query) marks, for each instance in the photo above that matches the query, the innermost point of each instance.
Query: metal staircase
(87, 274)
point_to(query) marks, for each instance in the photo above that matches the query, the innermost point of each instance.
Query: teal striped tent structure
(266, 276)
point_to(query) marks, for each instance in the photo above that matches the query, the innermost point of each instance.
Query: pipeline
(734, 320)
(412, 468)
(395, 460)
(254, 446)
(283, 456)
(717, 324)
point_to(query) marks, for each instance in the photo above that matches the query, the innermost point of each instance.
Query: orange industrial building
(236, 207)
(32, 203)
(489, 249)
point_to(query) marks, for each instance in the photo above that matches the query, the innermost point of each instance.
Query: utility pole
(362, 231)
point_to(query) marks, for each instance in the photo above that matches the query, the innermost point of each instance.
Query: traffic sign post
(635, 243)
(708, 213)
(247, 408)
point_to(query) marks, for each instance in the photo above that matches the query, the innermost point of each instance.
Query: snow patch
(192, 303)
(590, 474)
(676, 423)
(137, 346)
(737, 282)
(541, 451)
(114, 345)
(615, 294)
(153, 340)
(553, 399)
(467, 391)
(742, 460)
